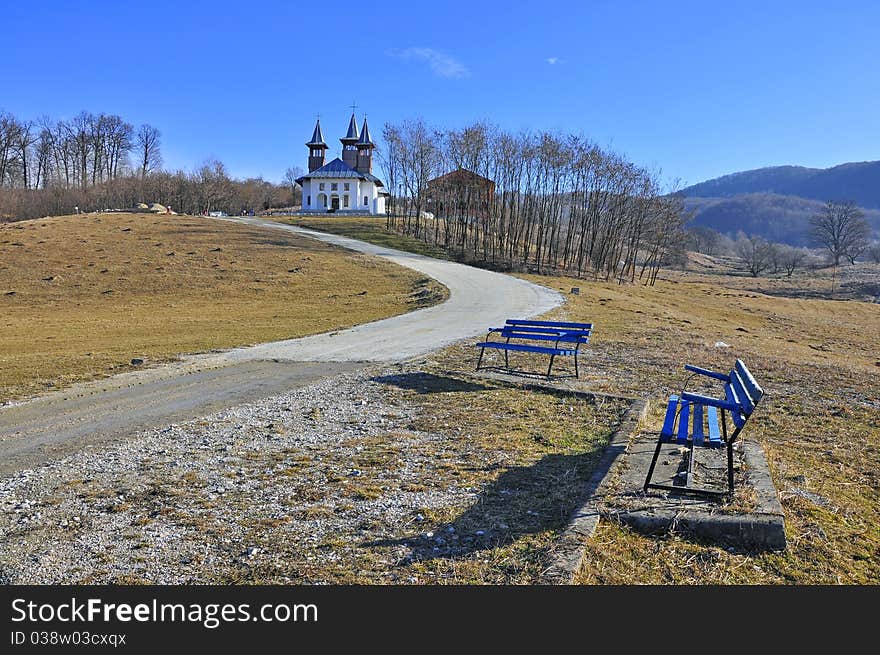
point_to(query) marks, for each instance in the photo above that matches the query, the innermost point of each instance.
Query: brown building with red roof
(461, 193)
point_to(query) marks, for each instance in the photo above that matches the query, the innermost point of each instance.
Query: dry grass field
(819, 424)
(81, 296)
(365, 228)
(819, 363)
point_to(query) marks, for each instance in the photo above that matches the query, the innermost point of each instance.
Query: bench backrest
(516, 322)
(556, 331)
(743, 391)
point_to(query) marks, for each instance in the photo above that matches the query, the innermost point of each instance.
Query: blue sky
(697, 89)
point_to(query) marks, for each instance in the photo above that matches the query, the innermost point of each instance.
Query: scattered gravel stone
(249, 486)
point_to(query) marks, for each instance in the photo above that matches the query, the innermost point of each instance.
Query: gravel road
(61, 423)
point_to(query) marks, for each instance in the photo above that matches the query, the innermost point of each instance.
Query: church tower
(349, 144)
(365, 147)
(317, 148)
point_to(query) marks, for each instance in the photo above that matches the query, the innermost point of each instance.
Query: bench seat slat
(714, 429)
(669, 422)
(501, 345)
(683, 423)
(697, 432)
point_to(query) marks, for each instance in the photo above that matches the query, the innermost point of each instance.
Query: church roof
(339, 169)
(317, 136)
(352, 130)
(365, 135)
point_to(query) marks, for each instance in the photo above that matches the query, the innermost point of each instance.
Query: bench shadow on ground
(522, 500)
(430, 383)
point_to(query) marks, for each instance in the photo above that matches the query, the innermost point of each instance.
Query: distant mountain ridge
(777, 202)
(856, 181)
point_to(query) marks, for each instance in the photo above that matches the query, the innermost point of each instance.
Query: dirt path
(63, 422)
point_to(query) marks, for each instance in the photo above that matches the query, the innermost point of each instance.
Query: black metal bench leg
(480, 360)
(689, 482)
(550, 368)
(576, 374)
(730, 467)
(506, 361)
(653, 463)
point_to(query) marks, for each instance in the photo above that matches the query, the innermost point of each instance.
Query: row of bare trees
(839, 230)
(762, 256)
(555, 203)
(79, 153)
(95, 162)
(208, 188)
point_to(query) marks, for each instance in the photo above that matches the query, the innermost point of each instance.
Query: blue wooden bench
(695, 420)
(555, 338)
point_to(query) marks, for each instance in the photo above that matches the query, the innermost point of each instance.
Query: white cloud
(440, 63)
(552, 60)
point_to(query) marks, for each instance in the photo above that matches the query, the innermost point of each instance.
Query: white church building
(344, 185)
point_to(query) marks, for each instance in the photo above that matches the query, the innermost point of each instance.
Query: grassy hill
(81, 296)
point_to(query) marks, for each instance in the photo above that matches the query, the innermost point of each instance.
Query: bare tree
(48, 167)
(841, 229)
(755, 253)
(9, 129)
(704, 239)
(291, 175)
(789, 258)
(148, 142)
(873, 253)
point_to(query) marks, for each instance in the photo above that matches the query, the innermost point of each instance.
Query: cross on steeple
(353, 106)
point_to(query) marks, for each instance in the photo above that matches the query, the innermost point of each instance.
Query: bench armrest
(709, 374)
(708, 400)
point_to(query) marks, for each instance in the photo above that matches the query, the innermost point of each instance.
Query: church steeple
(349, 143)
(365, 147)
(317, 148)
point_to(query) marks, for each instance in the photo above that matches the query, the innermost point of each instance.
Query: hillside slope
(777, 202)
(856, 181)
(784, 219)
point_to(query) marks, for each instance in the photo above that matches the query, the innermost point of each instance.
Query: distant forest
(776, 203)
(783, 219)
(857, 181)
(100, 161)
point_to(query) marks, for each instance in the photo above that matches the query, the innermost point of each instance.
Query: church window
(334, 186)
(345, 201)
(309, 201)
(346, 186)
(366, 200)
(321, 186)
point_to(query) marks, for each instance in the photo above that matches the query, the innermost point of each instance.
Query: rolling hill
(777, 202)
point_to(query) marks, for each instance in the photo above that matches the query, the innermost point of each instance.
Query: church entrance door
(334, 203)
